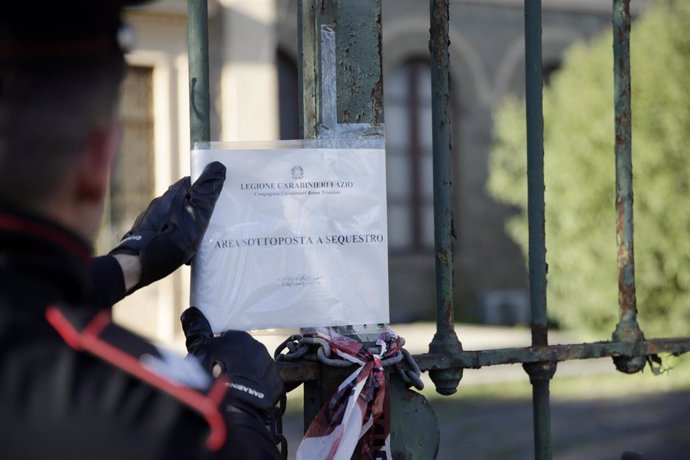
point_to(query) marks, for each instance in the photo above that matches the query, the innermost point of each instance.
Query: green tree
(580, 177)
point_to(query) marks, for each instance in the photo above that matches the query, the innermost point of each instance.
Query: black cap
(55, 31)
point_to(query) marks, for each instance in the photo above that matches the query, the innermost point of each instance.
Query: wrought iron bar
(553, 353)
(341, 85)
(445, 340)
(539, 372)
(535, 172)
(475, 359)
(307, 82)
(627, 329)
(446, 359)
(199, 99)
(309, 102)
(359, 74)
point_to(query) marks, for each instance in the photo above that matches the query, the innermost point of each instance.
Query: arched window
(409, 157)
(288, 96)
(132, 178)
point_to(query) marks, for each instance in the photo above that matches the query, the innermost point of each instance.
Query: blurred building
(253, 47)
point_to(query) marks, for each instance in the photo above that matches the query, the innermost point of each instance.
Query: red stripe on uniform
(89, 341)
(17, 224)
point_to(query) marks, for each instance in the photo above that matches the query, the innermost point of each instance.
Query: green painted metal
(358, 60)
(415, 432)
(307, 69)
(471, 359)
(541, 414)
(445, 340)
(317, 390)
(199, 99)
(627, 328)
(535, 171)
(306, 371)
(537, 235)
(353, 29)
(359, 99)
(551, 353)
(477, 359)
(358, 74)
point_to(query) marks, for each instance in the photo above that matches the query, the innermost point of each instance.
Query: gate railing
(359, 99)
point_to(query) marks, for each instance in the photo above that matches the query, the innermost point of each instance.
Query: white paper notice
(298, 238)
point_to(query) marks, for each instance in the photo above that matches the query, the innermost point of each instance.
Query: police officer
(72, 384)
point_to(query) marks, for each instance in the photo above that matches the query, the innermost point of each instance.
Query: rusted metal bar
(199, 99)
(475, 359)
(540, 373)
(552, 353)
(307, 69)
(535, 171)
(445, 339)
(358, 49)
(541, 407)
(627, 329)
(341, 94)
(309, 88)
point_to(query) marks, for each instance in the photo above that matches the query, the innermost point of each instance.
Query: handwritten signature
(299, 282)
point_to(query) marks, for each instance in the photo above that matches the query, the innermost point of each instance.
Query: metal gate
(343, 38)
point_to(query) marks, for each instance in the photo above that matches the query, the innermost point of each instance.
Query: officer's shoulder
(183, 379)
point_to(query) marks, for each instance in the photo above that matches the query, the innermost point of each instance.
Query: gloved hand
(169, 232)
(255, 384)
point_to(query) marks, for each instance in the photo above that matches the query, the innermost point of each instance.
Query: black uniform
(72, 384)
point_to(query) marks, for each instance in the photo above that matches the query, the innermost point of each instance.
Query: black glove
(169, 232)
(255, 384)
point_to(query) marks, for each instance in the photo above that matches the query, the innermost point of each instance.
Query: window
(409, 157)
(288, 97)
(132, 179)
